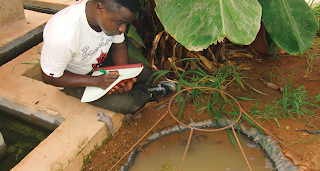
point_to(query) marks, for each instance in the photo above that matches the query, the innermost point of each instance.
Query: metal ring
(199, 129)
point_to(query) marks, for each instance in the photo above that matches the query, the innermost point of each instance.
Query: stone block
(11, 11)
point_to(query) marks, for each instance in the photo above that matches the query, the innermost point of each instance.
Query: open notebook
(125, 71)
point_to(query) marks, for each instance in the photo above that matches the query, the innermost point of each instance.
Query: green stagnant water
(20, 139)
(207, 151)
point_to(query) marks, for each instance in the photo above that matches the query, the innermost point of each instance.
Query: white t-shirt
(69, 43)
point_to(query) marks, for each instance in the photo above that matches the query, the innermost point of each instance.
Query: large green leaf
(135, 53)
(197, 24)
(132, 33)
(290, 23)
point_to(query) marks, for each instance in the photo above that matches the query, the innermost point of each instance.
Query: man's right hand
(106, 80)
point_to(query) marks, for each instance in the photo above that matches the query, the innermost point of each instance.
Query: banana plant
(132, 49)
(291, 24)
(198, 24)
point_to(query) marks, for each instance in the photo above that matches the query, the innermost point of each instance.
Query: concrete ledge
(79, 134)
(21, 35)
(49, 6)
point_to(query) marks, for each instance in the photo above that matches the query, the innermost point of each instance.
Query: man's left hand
(124, 86)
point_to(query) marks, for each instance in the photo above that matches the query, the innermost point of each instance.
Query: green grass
(28, 63)
(267, 113)
(217, 104)
(294, 103)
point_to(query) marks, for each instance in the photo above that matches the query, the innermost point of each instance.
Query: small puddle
(207, 151)
(20, 138)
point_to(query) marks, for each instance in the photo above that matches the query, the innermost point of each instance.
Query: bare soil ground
(305, 147)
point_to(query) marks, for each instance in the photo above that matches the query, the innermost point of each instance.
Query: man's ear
(100, 7)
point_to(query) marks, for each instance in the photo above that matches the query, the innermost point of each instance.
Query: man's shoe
(162, 89)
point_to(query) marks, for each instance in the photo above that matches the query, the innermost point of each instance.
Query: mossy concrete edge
(79, 132)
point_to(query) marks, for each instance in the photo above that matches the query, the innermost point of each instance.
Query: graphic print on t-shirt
(100, 59)
(88, 52)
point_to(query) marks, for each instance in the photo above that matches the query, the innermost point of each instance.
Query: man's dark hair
(115, 5)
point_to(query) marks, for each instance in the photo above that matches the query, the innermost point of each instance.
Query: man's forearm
(69, 79)
(120, 54)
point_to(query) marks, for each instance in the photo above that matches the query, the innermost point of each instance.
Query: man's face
(112, 23)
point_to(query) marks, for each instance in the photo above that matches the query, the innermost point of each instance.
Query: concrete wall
(10, 11)
(48, 6)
